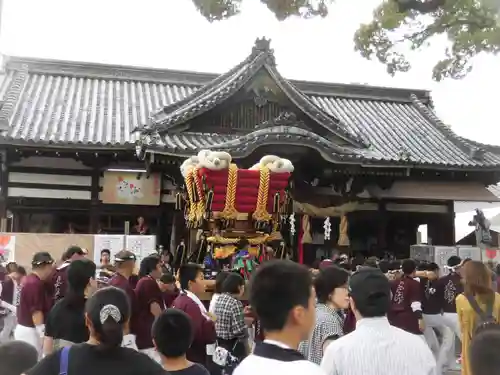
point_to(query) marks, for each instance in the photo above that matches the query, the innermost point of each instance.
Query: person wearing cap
(452, 286)
(34, 303)
(406, 301)
(59, 277)
(125, 265)
(376, 347)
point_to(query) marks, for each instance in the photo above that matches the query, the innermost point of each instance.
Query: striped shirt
(377, 348)
(329, 326)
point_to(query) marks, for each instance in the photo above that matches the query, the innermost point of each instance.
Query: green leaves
(472, 27)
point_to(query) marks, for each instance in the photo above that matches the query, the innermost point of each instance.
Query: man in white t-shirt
(282, 296)
(376, 347)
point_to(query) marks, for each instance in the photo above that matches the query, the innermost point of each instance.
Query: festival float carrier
(227, 204)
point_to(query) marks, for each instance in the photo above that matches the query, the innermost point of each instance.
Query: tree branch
(424, 7)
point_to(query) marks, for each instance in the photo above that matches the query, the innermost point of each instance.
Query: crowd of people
(345, 317)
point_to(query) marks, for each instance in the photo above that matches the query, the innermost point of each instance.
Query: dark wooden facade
(65, 123)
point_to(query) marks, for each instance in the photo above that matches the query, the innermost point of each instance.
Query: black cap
(124, 256)
(369, 288)
(40, 258)
(454, 261)
(72, 250)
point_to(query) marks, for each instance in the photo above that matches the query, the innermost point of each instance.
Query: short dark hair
(21, 270)
(432, 266)
(327, 280)
(371, 262)
(242, 243)
(408, 266)
(395, 265)
(79, 274)
(384, 265)
(17, 357)
(172, 333)
(167, 278)
(484, 358)
(148, 265)
(232, 283)
(219, 279)
(188, 272)
(277, 287)
(72, 250)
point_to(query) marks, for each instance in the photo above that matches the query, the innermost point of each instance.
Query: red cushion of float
(247, 188)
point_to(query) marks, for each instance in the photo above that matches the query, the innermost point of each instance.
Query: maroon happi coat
(121, 282)
(204, 329)
(169, 297)
(404, 292)
(33, 298)
(147, 292)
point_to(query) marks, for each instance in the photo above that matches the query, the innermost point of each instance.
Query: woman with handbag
(230, 325)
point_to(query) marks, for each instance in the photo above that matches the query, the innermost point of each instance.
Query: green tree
(472, 27)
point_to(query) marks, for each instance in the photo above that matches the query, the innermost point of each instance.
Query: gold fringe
(232, 241)
(222, 252)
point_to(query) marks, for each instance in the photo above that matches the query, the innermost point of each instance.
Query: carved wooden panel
(243, 117)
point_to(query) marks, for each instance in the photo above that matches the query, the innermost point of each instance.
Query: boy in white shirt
(282, 296)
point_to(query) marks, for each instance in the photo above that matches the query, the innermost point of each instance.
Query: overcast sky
(171, 34)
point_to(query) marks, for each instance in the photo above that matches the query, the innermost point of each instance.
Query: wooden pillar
(448, 223)
(441, 228)
(4, 189)
(95, 203)
(382, 226)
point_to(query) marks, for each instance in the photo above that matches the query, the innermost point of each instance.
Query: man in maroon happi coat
(59, 278)
(191, 285)
(406, 301)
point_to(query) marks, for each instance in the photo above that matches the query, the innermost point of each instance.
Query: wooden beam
(4, 187)
(95, 203)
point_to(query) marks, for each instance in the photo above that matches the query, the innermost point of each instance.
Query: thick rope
(192, 205)
(200, 205)
(261, 213)
(230, 212)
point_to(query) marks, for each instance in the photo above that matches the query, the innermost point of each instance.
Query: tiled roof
(91, 106)
(228, 84)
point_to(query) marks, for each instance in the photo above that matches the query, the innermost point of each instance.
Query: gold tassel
(306, 229)
(343, 232)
